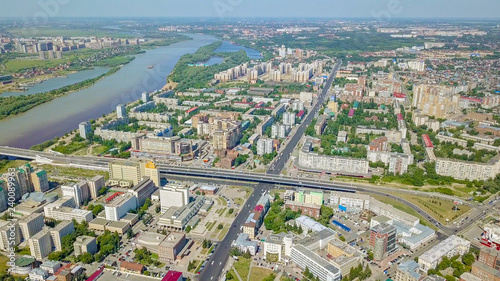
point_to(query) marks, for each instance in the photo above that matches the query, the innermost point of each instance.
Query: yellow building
(333, 106)
(134, 171)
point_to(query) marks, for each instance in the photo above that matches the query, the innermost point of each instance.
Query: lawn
(238, 201)
(73, 172)
(98, 150)
(259, 273)
(6, 164)
(242, 266)
(223, 231)
(16, 65)
(440, 209)
(400, 206)
(3, 263)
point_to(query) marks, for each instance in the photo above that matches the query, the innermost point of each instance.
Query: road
(221, 254)
(278, 165)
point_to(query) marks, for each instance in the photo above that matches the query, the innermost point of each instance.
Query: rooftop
(410, 268)
(441, 249)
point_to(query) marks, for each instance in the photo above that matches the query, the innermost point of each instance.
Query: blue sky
(253, 8)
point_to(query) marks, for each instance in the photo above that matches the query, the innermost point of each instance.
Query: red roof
(259, 208)
(427, 141)
(471, 99)
(191, 109)
(259, 104)
(400, 116)
(351, 112)
(399, 95)
(113, 196)
(172, 276)
(300, 113)
(96, 274)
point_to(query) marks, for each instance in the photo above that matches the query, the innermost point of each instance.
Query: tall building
(79, 192)
(95, 184)
(264, 146)
(59, 231)
(41, 244)
(437, 101)
(121, 111)
(22, 181)
(133, 171)
(119, 206)
(382, 240)
(31, 225)
(85, 244)
(84, 128)
(40, 180)
(6, 232)
(172, 196)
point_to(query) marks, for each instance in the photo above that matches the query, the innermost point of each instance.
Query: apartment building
(58, 232)
(31, 225)
(143, 190)
(40, 180)
(466, 170)
(40, 244)
(95, 184)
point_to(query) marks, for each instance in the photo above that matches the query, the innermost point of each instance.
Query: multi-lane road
(264, 182)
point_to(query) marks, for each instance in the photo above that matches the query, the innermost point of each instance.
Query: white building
(244, 244)
(173, 196)
(306, 223)
(40, 244)
(450, 247)
(120, 206)
(121, 111)
(31, 225)
(277, 246)
(54, 211)
(264, 146)
(38, 274)
(352, 202)
(317, 265)
(84, 129)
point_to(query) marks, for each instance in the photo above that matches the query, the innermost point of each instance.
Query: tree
(87, 258)
(130, 233)
(188, 229)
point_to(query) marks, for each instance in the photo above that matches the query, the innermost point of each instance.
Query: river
(59, 82)
(63, 114)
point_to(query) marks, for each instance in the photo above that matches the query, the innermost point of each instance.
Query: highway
(278, 164)
(221, 254)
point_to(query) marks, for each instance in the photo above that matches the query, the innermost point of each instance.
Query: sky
(224, 9)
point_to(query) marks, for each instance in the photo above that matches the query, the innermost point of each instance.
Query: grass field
(73, 172)
(223, 232)
(6, 164)
(440, 209)
(242, 266)
(400, 206)
(17, 65)
(3, 263)
(259, 273)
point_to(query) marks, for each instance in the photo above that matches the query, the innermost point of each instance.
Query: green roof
(24, 261)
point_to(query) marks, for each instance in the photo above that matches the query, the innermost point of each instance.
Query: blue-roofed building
(408, 270)
(244, 244)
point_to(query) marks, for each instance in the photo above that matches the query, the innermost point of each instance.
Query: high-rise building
(95, 184)
(6, 233)
(31, 225)
(382, 240)
(40, 180)
(59, 231)
(145, 97)
(121, 111)
(85, 244)
(84, 128)
(79, 192)
(264, 146)
(133, 171)
(41, 244)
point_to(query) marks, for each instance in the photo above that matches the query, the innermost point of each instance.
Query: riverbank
(14, 105)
